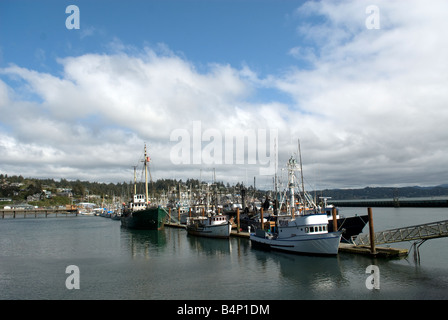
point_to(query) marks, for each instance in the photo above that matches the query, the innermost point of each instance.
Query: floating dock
(381, 252)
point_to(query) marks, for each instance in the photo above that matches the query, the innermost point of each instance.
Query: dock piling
(335, 220)
(238, 220)
(371, 232)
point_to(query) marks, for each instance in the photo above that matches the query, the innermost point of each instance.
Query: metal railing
(425, 231)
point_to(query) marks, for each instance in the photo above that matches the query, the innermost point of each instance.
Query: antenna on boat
(135, 180)
(275, 177)
(301, 171)
(145, 161)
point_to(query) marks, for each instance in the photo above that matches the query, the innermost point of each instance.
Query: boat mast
(301, 175)
(275, 179)
(291, 168)
(146, 177)
(135, 181)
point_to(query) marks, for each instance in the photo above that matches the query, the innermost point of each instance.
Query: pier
(427, 202)
(37, 213)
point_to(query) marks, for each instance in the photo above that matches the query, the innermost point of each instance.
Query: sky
(226, 88)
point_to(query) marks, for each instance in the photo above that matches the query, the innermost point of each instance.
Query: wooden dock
(381, 252)
(175, 225)
(37, 213)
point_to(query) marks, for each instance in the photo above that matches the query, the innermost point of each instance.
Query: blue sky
(258, 33)
(368, 105)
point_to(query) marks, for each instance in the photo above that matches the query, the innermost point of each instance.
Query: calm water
(116, 263)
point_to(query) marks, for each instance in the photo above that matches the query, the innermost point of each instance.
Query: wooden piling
(261, 219)
(178, 214)
(238, 220)
(371, 232)
(335, 220)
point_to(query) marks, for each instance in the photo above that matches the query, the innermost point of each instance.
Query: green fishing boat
(146, 219)
(139, 213)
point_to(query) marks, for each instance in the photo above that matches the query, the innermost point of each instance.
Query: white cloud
(381, 91)
(103, 107)
(369, 108)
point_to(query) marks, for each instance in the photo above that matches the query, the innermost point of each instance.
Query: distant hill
(384, 192)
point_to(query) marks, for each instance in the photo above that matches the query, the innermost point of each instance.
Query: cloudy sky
(365, 89)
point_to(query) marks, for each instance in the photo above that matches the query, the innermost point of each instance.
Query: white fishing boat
(302, 230)
(215, 226)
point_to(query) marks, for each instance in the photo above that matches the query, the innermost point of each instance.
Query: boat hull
(350, 226)
(147, 219)
(319, 244)
(210, 231)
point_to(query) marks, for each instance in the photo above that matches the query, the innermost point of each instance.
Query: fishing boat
(214, 226)
(350, 226)
(302, 231)
(139, 213)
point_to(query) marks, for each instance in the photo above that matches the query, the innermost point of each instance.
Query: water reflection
(143, 243)
(209, 246)
(314, 273)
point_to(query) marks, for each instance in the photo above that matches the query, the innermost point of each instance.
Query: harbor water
(117, 263)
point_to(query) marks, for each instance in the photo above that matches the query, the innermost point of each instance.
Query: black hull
(352, 226)
(147, 219)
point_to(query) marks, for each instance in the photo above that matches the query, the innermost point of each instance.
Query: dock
(381, 252)
(422, 202)
(36, 213)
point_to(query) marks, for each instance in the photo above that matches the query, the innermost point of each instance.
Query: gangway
(418, 233)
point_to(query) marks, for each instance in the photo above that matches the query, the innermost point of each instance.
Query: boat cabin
(210, 221)
(302, 225)
(139, 202)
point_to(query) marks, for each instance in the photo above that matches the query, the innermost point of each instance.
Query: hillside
(384, 192)
(18, 188)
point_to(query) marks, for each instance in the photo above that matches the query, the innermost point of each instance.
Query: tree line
(19, 188)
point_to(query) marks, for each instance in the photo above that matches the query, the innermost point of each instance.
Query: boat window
(307, 230)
